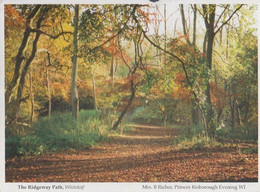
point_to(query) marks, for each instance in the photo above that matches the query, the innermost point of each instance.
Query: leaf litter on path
(143, 155)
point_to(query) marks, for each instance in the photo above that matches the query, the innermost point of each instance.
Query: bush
(31, 145)
(145, 114)
(244, 133)
(59, 132)
(12, 145)
(56, 132)
(250, 150)
(195, 143)
(194, 138)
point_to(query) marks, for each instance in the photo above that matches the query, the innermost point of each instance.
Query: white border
(105, 187)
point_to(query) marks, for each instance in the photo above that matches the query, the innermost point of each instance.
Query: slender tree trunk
(183, 19)
(209, 22)
(48, 83)
(26, 67)
(227, 43)
(246, 110)
(205, 43)
(165, 39)
(232, 110)
(195, 109)
(238, 114)
(112, 69)
(74, 91)
(209, 62)
(220, 36)
(156, 30)
(48, 91)
(232, 106)
(116, 67)
(175, 28)
(165, 118)
(31, 97)
(194, 25)
(94, 92)
(184, 25)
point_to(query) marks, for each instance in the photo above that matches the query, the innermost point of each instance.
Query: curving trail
(144, 155)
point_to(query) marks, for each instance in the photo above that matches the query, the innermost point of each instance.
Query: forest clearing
(131, 93)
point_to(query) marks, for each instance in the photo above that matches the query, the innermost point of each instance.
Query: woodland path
(144, 155)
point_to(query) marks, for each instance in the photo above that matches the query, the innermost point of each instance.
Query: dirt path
(144, 155)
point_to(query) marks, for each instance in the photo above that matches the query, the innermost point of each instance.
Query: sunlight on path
(144, 155)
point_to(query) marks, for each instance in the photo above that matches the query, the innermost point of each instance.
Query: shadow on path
(144, 155)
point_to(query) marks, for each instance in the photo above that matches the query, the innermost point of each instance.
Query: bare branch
(221, 15)
(119, 32)
(67, 40)
(227, 19)
(221, 57)
(184, 69)
(122, 56)
(49, 35)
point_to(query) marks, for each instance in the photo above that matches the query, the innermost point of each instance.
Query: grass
(244, 133)
(195, 143)
(60, 132)
(250, 150)
(193, 138)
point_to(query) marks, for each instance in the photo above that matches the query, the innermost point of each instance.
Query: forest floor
(146, 154)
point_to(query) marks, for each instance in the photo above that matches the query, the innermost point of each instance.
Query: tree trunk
(156, 31)
(232, 106)
(195, 110)
(48, 91)
(31, 97)
(94, 92)
(13, 107)
(133, 88)
(74, 91)
(175, 28)
(232, 110)
(205, 43)
(26, 67)
(209, 22)
(165, 40)
(20, 57)
(227, 43)
(195, 113)
(112, 69)
(48, 83)
(118, 122)
(184, 25)
(238, 114)
(165, 118)
(220, 36)
(194, 25)
(246, 111)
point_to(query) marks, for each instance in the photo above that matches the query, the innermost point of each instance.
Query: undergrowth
(60, 132)
(196, 142)
(245, 133)
(194, 138)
